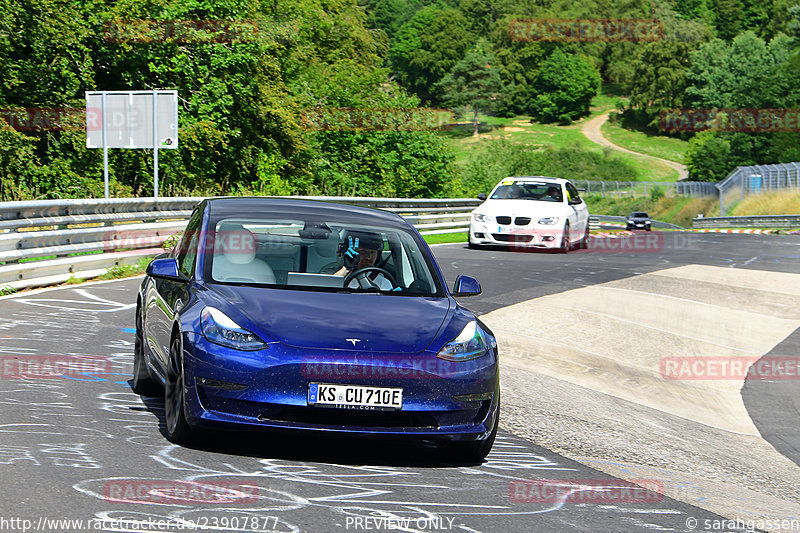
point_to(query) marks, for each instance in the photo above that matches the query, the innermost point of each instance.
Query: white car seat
(235, 259)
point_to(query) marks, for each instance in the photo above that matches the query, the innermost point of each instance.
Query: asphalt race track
(85, 448)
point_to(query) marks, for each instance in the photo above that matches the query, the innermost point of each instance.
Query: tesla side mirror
(482, 197)
(166, 268)
(575, 201)
(466, 286)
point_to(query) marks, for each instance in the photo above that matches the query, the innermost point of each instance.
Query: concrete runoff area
(601, 351)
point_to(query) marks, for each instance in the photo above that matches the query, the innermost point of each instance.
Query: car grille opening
(345, 418)
(512, 237)
(349, 417)
(522, 221)
(503, 220)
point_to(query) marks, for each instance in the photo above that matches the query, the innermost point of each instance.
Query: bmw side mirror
(165, 268)
(466, 286)
(482, 197)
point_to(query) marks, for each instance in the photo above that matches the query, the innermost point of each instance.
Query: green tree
(473, 82)
(565, 85)
(743, 73)
(728, 15)
(708, 157)
(427, 47)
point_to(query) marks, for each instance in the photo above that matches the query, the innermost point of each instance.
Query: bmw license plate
(355, 396)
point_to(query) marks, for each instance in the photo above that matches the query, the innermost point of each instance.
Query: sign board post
(132, 119)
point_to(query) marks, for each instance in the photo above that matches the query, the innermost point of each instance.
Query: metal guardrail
(643, 189)
(753, 221)
(756, 179)
(47, 242)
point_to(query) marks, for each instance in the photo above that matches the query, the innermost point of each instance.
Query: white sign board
(132, 119)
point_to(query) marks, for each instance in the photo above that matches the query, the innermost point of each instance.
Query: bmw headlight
(480, 217)
(220, 329)
(471, 343)
(548, 221)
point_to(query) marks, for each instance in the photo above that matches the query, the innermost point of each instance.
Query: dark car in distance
(638, 220)
(283, 314)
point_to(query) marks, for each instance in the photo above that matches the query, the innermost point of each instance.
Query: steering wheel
(361, 273)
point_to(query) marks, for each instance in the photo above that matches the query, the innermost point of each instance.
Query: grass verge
(6, 290)
(771, 203)
(445, 238)
(661, 146)
(126, 271)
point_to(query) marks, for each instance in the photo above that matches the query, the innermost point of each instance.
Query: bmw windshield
(545, 192)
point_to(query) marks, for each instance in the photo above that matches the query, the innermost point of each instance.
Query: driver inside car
(360, 250)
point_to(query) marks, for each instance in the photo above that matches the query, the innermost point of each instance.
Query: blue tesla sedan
(314, 316)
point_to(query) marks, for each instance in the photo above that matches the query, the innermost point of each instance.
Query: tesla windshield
(546, 192)
(318, 255)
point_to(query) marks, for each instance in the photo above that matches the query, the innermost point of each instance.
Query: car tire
(177, 427)
(584, 244)
(647, 229)
(471, 452)
(566, 245)
(472, 246)
(142, 381)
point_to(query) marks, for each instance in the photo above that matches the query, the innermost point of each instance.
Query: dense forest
(251, 73)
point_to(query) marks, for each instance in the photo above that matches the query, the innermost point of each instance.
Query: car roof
(534, 178)
(243, 205)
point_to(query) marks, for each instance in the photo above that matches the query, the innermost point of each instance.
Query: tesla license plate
(355, 396)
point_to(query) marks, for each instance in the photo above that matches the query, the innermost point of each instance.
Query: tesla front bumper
(270, 389)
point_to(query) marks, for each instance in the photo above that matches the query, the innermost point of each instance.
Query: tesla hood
(348, 321)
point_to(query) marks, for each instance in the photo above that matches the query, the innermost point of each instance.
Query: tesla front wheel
(178, 430)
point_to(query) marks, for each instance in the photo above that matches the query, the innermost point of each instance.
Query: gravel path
(592, 131)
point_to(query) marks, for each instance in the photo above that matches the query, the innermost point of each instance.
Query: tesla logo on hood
(354, 341)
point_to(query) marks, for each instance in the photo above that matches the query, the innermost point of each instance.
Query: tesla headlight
(480, 217)
(548, 221)
(220, 329)
(471, 343)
